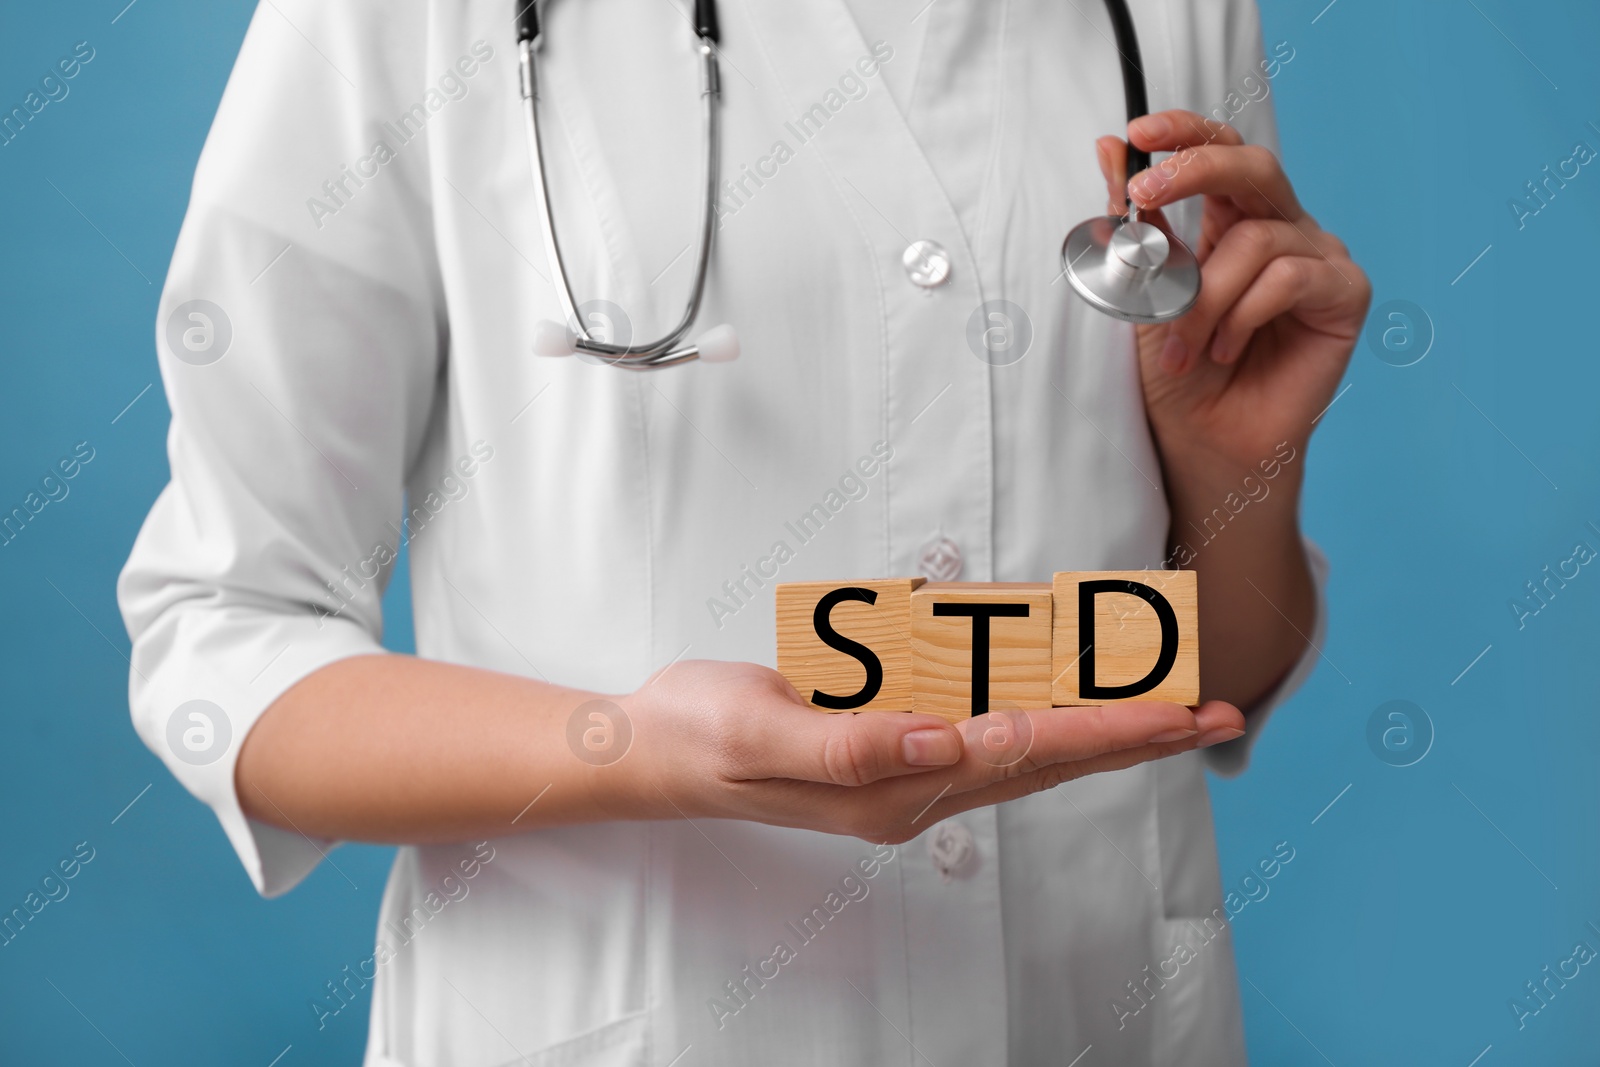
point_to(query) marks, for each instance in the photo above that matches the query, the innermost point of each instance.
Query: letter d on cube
(1125, 635)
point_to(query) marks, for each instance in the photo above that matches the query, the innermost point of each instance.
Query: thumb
(1112, 153)
(846, 749)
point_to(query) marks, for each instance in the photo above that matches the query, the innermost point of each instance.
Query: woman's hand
(1233, 388)
(395, 748)
(734, 740)
(1281, 303)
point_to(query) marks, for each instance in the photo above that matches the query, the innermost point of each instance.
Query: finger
(1178, 734)
(799, 742)
(1048, 736)
(1241, 255)
(1288, 283)
(1168, 131)
(1249, 175)
(1061, 735)
(1112, 152)
(896, 809)
(1218, 722)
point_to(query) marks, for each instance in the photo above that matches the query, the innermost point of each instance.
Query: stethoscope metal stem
(1130, 268)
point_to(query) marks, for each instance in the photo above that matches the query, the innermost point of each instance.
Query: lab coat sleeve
(1252, 76)
(1231, 759)
(300, 392)
(1252, 73)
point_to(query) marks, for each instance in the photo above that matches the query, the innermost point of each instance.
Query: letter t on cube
(980, 645)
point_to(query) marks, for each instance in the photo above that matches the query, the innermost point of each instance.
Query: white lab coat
(581, 524)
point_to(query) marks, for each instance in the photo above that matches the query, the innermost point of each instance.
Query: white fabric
(381, 349)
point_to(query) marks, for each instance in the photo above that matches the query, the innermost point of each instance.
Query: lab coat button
(940, 560)
(927, 263)
(952, 849)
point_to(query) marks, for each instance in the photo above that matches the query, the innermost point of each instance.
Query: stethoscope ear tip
(552, 338)
(720, 344)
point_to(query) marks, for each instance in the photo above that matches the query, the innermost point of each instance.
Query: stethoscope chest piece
(1131, 269)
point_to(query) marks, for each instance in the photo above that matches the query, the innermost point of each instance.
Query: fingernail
(1216, 737)
(931, 748)
(1172, 735)
(1147, 186)
(1173, 353)
(1153, 126)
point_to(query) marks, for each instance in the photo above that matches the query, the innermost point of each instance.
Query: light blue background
(1417, 904)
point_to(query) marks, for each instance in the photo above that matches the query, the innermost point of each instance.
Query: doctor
(626, 843)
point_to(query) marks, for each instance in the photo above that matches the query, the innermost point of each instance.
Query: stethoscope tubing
(1176, 295)
(663, 352)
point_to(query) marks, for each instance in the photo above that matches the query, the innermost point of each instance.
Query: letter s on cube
(846, 646)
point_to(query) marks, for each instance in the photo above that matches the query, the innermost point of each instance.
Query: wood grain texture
(811, 665)
(1019, 660)
(1127, 637)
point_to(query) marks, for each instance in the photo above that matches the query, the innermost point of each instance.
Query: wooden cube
(1126, 635)
(980, 645)
(846, 646)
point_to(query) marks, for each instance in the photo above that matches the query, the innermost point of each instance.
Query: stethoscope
(1131, 268)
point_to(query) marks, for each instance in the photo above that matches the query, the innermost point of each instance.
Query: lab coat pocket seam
(650, 926)
(602, 1039)
(1202, 1007)
(643, 413)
